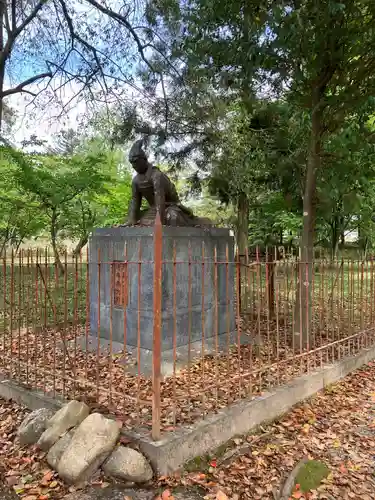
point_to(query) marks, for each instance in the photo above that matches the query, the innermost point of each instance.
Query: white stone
(33, 426)
(55, 453)
(66, 418)
(92, 442)
(128, 465)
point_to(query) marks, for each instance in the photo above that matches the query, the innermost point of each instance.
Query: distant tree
(54, 183)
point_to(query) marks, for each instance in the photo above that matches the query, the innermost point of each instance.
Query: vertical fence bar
(366, 295)
(112, 280)
(156, 351)
(251, 340)
(19, 312)
(312, 343)
(87, 320)
(216, 292)
(35, 313)
(26, 305)
(29, 316)
(55, 271)
(322, 339)
(82, 306)
(75, 318)
(331, 302)
(227, 311)
(203, 255)
(238, 317)
(65, 327)
(5, 308)
(36, 287)
(98, 266)
(189, 324)
(139, 273)
(309, 306)
(125, 305)
(326, 307)
(361, 309)
(293, 281)
(300, 326)
(360, 304)
(342, 305)
(285, 275)
(43, 283)
(51, 321)
(277, 311)
(174, 305)
(268, 307)
(351, 298)
(11, 311)
(258, 267)
(251, 298)
(372, 296)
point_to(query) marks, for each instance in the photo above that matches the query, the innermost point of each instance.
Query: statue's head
(138, 157)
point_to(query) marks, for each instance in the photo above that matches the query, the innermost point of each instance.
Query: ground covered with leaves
(336, 428)
(54, 362)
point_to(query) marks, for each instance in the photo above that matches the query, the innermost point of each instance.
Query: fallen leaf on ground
(220, 495)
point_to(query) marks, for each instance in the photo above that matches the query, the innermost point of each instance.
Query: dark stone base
(197, 288)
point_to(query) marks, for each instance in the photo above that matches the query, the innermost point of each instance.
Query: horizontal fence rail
(162, 342)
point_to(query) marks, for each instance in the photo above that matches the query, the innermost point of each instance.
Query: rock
(55, 453)
(33, 426)
(68, 416)
(128, 465)
(92, 442)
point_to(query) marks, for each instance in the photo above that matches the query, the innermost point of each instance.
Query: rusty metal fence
(48, 341)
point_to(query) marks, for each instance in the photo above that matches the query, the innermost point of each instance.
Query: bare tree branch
(29, 81)
(14, 21)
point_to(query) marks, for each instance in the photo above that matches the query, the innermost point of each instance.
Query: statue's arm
(159, 193)
(135, 206)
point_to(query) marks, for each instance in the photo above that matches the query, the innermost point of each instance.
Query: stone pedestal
(196, 305)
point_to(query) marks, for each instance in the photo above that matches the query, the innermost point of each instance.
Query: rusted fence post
(270, 282)
(156, 353)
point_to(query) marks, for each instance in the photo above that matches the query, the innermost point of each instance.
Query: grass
(40, 295)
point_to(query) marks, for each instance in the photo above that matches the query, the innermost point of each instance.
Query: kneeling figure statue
(160, 193)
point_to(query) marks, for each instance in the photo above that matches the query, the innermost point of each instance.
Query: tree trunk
(82, 242)
(303, 312)
(335, 234)
(342, 238)
(54, 241)
(242, 239)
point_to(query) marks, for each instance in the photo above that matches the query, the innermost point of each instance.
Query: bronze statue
(160, 193)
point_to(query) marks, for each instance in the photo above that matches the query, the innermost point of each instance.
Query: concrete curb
(176, 448)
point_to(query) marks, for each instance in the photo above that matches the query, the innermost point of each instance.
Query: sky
(43, 122)
(31, 53)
